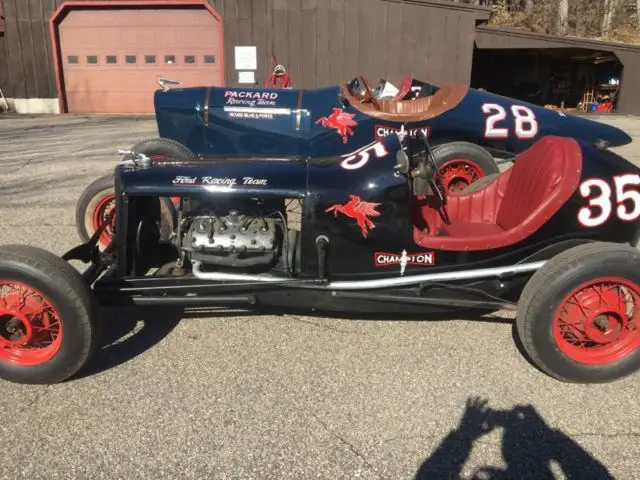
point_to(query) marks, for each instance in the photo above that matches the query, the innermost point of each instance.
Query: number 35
(600, 206)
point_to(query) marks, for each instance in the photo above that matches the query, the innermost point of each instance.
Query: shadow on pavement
(129, 332)
(529, 447)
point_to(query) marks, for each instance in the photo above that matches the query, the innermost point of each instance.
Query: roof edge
(558, 39)
(482, 13)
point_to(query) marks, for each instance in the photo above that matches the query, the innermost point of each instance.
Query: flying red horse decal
(341, 121)
(359, 210)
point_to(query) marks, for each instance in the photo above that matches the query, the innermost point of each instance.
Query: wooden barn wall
(28, 58)
(4, 71)
(320, 42)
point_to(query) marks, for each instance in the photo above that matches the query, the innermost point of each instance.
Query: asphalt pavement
(236, 394)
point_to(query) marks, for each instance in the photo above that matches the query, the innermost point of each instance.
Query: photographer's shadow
(529, 446)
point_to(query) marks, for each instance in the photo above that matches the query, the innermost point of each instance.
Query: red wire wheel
(459, 174)
(597, 323)
(30, 327)
(104, 207)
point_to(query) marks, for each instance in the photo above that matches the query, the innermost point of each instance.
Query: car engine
(230, 236)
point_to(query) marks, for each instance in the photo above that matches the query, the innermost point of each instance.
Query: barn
(79, 56)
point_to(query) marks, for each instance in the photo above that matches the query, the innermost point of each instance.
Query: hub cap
(597, 323)
(459, 174)
(30, 328)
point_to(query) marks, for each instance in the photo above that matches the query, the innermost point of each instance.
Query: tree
(610, 7)
(528, 6)
(563, 17)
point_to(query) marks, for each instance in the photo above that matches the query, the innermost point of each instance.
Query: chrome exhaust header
(379, 283)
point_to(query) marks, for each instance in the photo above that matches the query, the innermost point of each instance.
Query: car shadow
(127, 332)
(530, 448)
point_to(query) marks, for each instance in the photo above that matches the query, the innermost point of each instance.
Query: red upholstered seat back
(536, 177)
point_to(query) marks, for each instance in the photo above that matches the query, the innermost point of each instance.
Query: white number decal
(622, 195)
(525, 122)
(498, 114)
(602, 200)
(360, 158)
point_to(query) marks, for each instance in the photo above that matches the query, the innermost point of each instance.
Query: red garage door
(111, 57)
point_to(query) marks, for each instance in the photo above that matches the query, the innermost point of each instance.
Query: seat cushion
(471, 229)
(517, 204)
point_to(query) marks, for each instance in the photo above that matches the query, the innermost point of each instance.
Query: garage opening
(559, 78)
(110, 56)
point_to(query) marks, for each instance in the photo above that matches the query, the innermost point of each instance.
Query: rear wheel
(579, 315)
(463, 163)
(49, 319)
(98, 199)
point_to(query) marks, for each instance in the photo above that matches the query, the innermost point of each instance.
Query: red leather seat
(514, 206)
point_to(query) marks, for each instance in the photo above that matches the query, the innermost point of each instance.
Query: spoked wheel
(597, 323)
(30, 327)
(459, 174)
(100, 209)
(98, 199)
(462, 163)
(579, 315)
(49, 319)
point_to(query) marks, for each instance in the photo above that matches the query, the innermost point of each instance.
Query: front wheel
(579, 315)
(463, 163)
(98, 199)
(49, 318)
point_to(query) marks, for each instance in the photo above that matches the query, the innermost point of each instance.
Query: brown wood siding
(321, 42)
(1, 18)
(629, 56)
(629, 101)
(4, 72)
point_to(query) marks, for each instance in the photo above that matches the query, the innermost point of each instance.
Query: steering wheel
(368, 96)
(438, 187)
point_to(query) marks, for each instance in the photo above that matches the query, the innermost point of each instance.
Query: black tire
(165, 147)
(65, 291)
(478, 184)
(472, 153)
(100, 191)
(103, 187)
(546, 292)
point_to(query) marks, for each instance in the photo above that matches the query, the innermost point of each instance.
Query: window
(131, 59)
(150, 59)
(169, 59)
(190, 59)
(92, 59)
(209, 59)
(72, 59)
(112, 59)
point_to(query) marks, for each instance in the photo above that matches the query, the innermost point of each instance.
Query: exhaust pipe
(380, 283)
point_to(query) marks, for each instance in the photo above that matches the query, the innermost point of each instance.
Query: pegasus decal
(341, 121)
(358, 210)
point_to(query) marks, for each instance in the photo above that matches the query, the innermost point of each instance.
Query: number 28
(600, 206)
(524, 119)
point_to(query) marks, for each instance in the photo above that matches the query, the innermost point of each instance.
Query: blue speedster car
(469, 128)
